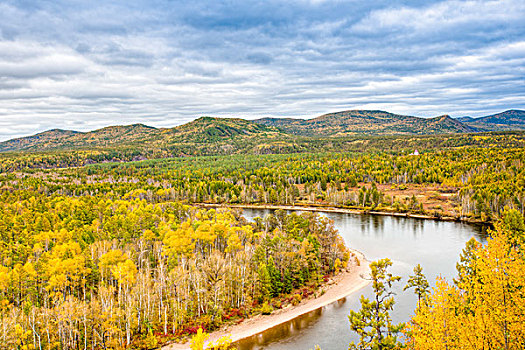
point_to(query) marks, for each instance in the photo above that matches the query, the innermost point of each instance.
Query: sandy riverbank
(344, 284)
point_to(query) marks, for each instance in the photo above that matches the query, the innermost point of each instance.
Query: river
(435, 245)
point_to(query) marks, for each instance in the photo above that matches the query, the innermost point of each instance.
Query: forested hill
(235, 135)
(218, 132)
(47, 137)
(57, 139)
(513, 119)
(367, 122)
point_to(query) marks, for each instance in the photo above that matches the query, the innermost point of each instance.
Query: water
(435, 245)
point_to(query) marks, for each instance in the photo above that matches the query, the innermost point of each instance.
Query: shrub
(297, 298)
(266, 309)
(150, 341)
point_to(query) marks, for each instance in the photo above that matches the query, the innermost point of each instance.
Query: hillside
(464, 119)
(68, 139)
(215, 136)
(43, 139)
(510, 117)
(207, 135)
(208, 129)
(509, 120)
(366, 122)
(220, 134)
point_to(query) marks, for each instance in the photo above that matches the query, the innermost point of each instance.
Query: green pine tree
(419, 282)
(373, 322)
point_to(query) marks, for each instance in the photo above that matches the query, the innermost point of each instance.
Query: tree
(373, 322)
(466, 266)
(419, 282)
(435, 325)
(265, 282)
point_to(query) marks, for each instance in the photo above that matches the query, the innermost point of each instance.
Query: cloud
(86, 64)
(443, 16)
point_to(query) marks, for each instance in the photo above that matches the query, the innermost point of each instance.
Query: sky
(85, 64)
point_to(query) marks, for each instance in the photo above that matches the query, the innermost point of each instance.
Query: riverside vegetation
(484, 307)
(107, 272)
(116, 255)
(468, 183)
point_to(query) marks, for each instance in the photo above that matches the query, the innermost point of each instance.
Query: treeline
(201, 143)
(481, 181)
(97, 272)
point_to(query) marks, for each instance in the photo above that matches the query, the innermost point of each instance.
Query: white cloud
(442, 15)
(81, 65)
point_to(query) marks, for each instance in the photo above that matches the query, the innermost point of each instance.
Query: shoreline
(332, 209)
(345, 283)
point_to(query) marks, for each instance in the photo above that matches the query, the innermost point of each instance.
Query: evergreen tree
(373, 322)
(419, 282)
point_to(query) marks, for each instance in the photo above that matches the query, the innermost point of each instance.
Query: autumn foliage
(485, 307)
(109, 272)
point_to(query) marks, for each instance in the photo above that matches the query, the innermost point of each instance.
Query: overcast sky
(86, 64)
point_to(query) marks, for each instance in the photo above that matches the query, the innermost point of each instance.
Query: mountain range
(368, 123)
(509, 120)
(226, 133)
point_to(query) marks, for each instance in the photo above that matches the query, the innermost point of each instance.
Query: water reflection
(436, 245)
(282, 331)
(288, 332)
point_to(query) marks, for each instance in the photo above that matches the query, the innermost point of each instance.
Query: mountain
(205, 130)
(513, 119)
(213, 136)
(464, 119)
(510, 117)
(207, 135)
(366, 122)
(43, 138)
(68, 139)
(208, 129)
(108, 136)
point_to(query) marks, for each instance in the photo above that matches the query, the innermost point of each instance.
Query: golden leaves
(486, 309)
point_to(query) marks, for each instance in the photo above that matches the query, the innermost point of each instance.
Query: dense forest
(214, 139)
(468, 183)
(121, 254)
(100, 272)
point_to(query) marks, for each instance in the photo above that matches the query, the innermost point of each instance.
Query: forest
(122, 255)
(211, 139)
(96, 272)
(465, 183)
(262, 175)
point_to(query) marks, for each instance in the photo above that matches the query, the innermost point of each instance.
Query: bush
(297, 298)
(150, 341)
(337, 265)
(266, 309)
